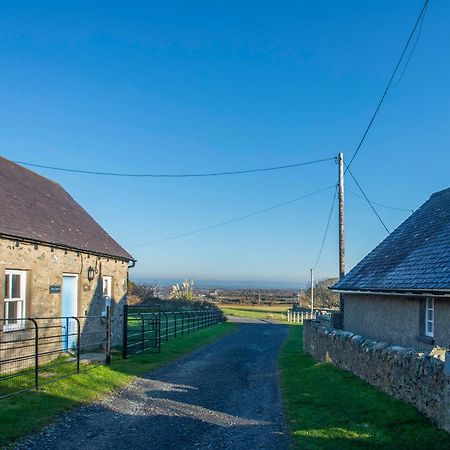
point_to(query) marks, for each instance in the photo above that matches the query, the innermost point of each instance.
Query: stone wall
(406, 374)
(45, 266)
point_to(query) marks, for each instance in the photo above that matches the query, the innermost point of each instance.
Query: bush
(149, 294)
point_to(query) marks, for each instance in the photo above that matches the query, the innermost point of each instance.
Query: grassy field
(31, 411)
(330, 408)
(256, 311)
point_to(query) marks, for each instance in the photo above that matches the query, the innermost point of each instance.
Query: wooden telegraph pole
(341, 226)
(312, 290)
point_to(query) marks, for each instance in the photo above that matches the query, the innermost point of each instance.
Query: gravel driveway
(223, 396)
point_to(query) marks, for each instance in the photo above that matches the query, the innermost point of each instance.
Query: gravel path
(224, 396)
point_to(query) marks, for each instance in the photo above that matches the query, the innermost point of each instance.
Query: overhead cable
(174, 175)
(236, 219)
(326, 228)
(388, 86)
(368, 201)
(378, 203)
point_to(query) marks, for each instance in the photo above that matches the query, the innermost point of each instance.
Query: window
(107, 282)
(107, 292)
(429, 317)
(15, 287)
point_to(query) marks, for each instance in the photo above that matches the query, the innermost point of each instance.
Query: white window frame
(429, 317)
(21, 301)
(106, 297)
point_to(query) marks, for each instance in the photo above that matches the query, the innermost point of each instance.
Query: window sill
(425, 339)
(15, 327)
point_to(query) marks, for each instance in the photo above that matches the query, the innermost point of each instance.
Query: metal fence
(141, 330)
(145, 328)
(35, 352)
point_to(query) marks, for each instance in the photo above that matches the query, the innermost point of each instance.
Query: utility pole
(312, 290)
(341, 226)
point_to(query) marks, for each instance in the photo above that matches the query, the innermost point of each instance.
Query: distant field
(256, 311)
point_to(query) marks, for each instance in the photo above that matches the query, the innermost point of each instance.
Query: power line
(326, 228)
(412, 50)
(368, 201)
(227, 222)
(422, 12)
(378, 203)
(179, 175)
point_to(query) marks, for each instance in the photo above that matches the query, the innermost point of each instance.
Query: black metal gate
(141, 330)
(37, 351)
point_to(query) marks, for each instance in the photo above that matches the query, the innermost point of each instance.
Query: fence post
(167, 326)
(175, 318)
(78, 342)
(158, 331)
(142, 331)
(108, 337)
(125, 332)
(36, 353)
(182, 324)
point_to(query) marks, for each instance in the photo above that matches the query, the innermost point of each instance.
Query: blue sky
(211, 86)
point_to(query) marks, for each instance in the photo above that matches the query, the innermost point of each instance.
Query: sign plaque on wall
(54, 289)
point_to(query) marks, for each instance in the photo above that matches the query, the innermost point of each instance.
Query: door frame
(66, 339)
(73, 275)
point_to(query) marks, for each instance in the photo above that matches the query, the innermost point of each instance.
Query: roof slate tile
(416, 256)
(36, 208)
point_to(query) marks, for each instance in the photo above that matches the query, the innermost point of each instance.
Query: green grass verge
(258, 312)
(329, 408)
(31, 411)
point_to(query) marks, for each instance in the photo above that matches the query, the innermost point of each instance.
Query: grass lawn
(329, 408)
(256, 311)
(31, 411)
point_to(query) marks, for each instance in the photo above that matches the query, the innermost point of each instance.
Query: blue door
(69, 309)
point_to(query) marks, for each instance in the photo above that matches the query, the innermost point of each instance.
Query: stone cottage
(400, 292)
(55, 259)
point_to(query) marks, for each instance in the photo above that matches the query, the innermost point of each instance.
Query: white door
(69, 309)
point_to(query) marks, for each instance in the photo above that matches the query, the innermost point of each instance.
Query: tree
(146, 292)
(323, 297)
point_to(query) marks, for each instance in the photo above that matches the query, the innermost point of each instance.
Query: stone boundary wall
(406, 374)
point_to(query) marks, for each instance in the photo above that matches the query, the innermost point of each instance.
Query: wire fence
(35, 352)
(146, 327)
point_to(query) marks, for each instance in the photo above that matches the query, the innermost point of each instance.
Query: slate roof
(415, 257)
(35, 208)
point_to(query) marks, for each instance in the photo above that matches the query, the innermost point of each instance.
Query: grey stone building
(400, 292)
(55, 260)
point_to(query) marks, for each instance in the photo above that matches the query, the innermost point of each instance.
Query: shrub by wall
(406, 374)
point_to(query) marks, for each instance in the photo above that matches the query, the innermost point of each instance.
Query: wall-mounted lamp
(91, 273)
